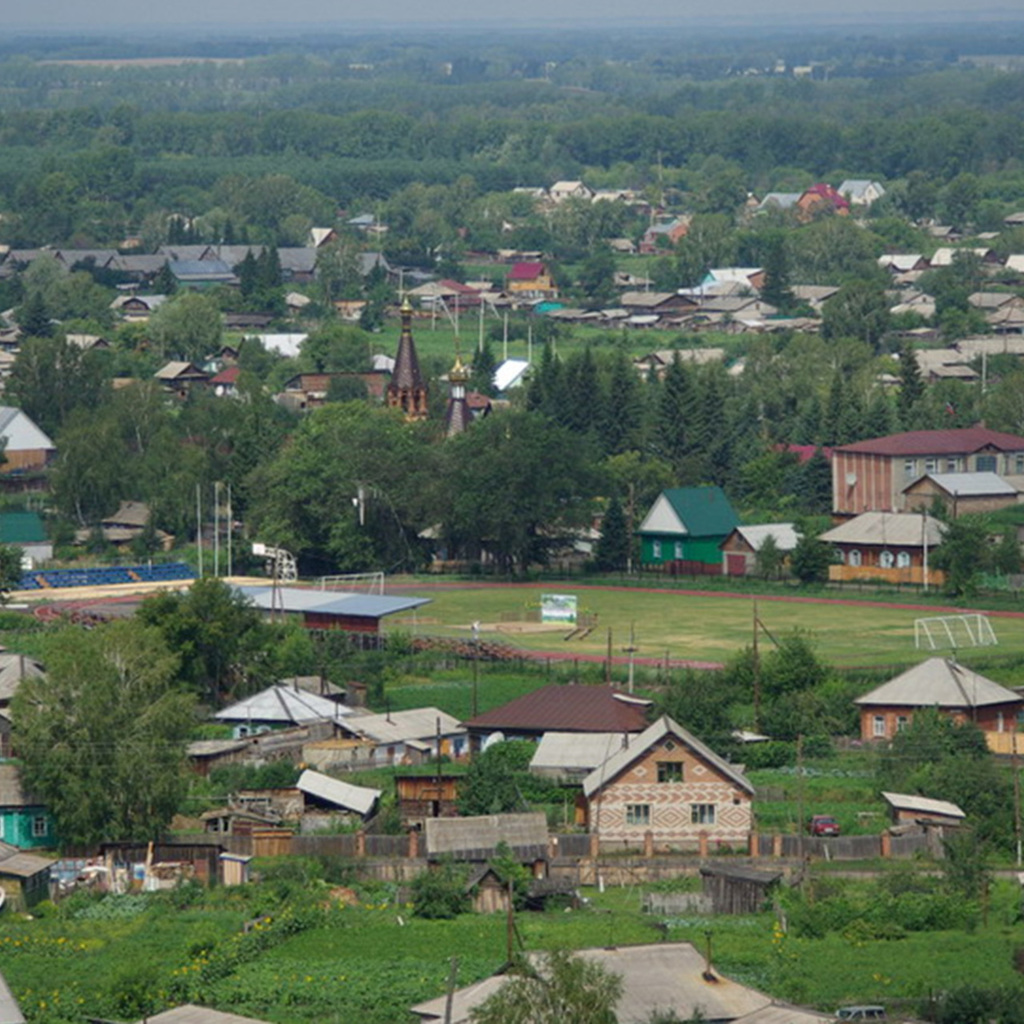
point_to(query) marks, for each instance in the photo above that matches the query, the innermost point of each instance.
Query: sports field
(683, 625)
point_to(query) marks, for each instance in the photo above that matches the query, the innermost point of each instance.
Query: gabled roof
(527, 271)
(403, 726)
(20, 432)
(941, 683)
(574, 707)
(922, 805)
(900, 529)
(960, 441)
(691, 512)
(965, 485)
(283, 704)
(360, 799)
(574, 752)
(664, 726)
(22, 865)
(784, 534)
(21, 528)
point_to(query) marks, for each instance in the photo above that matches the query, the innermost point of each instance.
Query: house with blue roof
(684, 529)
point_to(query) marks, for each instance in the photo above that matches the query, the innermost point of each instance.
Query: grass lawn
(707, 627)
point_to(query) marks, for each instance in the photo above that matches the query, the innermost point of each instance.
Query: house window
(702, 814)
(638, 814)
(1018, 464)
(953, 465)
(901, 722)
(909, 468)
(878, 725)
(39, 829)
(931, 465)
(853, 558)
(679, 550)
(886, 560)
(670, 771)
(656, 549)
(903, 560)
(985, 464)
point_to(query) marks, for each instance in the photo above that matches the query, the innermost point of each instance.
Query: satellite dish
(851, 479)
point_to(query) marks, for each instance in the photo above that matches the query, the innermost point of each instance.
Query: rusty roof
(575, 707)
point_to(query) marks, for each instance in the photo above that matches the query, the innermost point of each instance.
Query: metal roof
(360, 799)
(10, 1012)
(785, 535)
(922, 805)
(942, 683)
(20, 433)
(898, 529)
(575, 751)
(509, 373)
(283, 704)
(192, 1014)
(330, 602)
(21, 865)
(572, 707)
(938, 442)
(485, 832)
(664, 726)
(403, 726)
(692, 512)
(966, 485)
(655, 978)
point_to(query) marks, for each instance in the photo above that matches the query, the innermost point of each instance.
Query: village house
(530, 280)
(563, 190)
(279, 707)
(888, 546)
(24, 820)
(872, 475)
(685, 528)
(27, 449)
(24, 877)
(960, 493)
(671, 785)
(821, 199)
(951, 688)
(861, 191)
(911, 809)
(740, 549)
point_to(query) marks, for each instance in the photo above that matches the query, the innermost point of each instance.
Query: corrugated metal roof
(404, 726)
(192, 1014)
(785, 535)
(655, 978)
(664, 726)
(899, 529)
(941, 683)
(961, 441)
(575, 751)
(283, 704)
(360, 799)
(575, 707)
(964, 485)
(330, 602)
(922, 805)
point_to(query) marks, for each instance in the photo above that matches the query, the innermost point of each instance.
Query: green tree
(10, 570)
(777, 289)
(221, 639)
(860, 310)
(34, 318)
(811, 558)
(963, 555)
(187, 327)
(102, 735)
(613, 547)
(439, 894)
(769, 559)
(499, 780)
(597, 278)
(911, 385)
(563, 989)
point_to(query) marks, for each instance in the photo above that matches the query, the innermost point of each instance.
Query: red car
(823, 825)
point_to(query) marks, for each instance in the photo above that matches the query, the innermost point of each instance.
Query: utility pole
(608, 660)
(1016, 793)
(757, 673)
(631, 650)
(199, 528)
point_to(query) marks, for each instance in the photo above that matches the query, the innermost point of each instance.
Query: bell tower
(406, 390)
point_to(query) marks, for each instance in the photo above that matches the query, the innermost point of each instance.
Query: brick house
(872, 475)
(939, 683)
(668, 783)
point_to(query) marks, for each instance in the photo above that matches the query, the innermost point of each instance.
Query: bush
(440, 893)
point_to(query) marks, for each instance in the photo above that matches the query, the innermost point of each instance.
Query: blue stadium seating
(58, 578)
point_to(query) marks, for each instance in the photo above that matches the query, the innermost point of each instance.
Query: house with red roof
(822, 198)
(530, 280)
(225, 383)
(872, 476)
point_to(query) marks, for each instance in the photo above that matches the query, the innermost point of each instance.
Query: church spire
(457, 416)
(406, 390)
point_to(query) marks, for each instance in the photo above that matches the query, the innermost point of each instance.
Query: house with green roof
(684, 528)
(25, 530)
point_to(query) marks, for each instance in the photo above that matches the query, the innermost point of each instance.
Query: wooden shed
(24, 877)
(736, 890)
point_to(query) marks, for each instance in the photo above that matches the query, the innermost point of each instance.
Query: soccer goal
(354, 582)
(954, 631)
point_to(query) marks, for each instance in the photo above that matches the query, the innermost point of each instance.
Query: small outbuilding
(909, 808)
(741, 548)
(737, 890)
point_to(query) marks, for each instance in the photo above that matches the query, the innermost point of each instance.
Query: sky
(244, 17)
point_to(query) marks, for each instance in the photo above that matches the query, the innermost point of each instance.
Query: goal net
(354, 582)
(953, 631)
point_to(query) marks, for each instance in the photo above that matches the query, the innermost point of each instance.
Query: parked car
(823, 825)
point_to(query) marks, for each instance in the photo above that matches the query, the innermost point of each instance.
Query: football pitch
(702, 627)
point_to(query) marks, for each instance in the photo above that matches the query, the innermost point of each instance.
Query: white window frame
(678, 551)
(638, 814)
(902, 559)
(702, 814)
(878, 726)
(656, 549)
(40, 826)
(853, 557)
(886, 559)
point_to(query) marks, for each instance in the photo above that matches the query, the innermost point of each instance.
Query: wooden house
(889, 546)
(671, 785)
(427, 796)
(25, 821)
(911, 809)
(530, 280)
(740, 549)
(27, 449)
(24, 877)
(685, 528)
(960, 493)
(951, 688)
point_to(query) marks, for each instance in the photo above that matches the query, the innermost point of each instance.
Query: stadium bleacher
(106, 576)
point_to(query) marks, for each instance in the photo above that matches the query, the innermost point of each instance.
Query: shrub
(440, 893)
